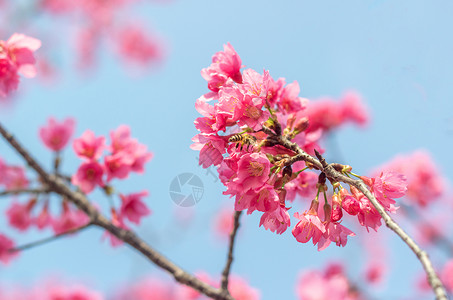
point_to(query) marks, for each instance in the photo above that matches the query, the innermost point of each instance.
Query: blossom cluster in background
(87, 26)
(125, 155)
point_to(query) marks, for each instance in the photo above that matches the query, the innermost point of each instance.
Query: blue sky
(397, 54)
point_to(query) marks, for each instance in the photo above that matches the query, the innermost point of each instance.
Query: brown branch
(334, 175)
(25, 191)
(49, 239)
(57, 185)
(226, 270)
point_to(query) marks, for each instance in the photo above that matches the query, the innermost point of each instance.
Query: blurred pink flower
(56, 135)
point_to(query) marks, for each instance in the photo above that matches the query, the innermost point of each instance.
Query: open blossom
(70, 218)
(424, 179)
(309, 227)
(6, 244)
(386, 186)
(13, 177)
(447, 275)
(19, 215)
(227, 63)
(336, 233)
(16, 56)
(241, 290)
(263, 199)
(327, 285)
(138, 47)
(253, 171)
(88, 146)
(133, 208)
(88, 176)
(55, 135)
(77, 292)
(277, 220)
(9, 80)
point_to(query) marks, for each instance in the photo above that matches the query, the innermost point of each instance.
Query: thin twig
(49, 239)
(57, 185)
(25, 191)
(226, 270)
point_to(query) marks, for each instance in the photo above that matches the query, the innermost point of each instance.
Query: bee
(243, 139)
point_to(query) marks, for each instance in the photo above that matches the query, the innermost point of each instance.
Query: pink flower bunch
(126, 155)
(22, 216)
(12, 177)
(332, 284)
(237, 115)
(100, 21)
(425, 183)
(5, 244)
(328, 114)
(138, 47)
(16, 56)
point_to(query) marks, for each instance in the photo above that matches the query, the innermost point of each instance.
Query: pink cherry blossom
(304, 185)
(133, 208)
(146, 289)
(9, 80)
(289, 99)
(76, 292)
(425, 183)
(118, 165)
(120, 138)
(19, 215)
(137, 46)
(70, 218)
(88, 176)
(44, 219)
(386, 186)
(228, 62)
(336, 233)
(276, 221)
(223, 222)
(241, 290)
(253, 171)
(6, 244)
(88, 146)
(350, 204)
(309, 227)
(313, 285)
(447, 275)
(20, 50)
(13, 177)
(263, 199)
(56, 135)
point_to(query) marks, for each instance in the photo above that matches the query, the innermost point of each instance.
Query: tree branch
(321, 165)
(57, 185)
(226, 270)
(49, 239)
(25, 191)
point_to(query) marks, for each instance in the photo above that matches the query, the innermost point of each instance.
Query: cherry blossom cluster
(125, 155)
(16, 57)
(425, 183)
(92, 25)
(245, 114)
(332, 283)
